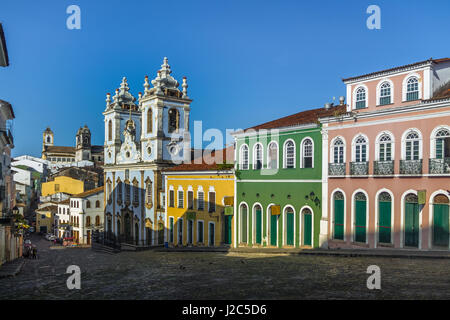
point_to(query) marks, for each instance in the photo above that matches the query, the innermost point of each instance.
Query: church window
(148, 193)
(135, 192)
(149, 121)
(119, 191)
(88, 204)
(127, 192)
(97, 204)
(109, 130)
(174, 119)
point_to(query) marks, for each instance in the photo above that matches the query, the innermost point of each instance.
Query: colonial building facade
(142, 137)
(388, 160)
(279, 182)
(199, 202)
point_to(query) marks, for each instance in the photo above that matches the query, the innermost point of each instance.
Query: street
(199, 275)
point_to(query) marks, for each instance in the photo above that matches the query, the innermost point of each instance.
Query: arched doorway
(160, 232)
(289, 218)
(257, 218)
(127, 230)
(136, 233)
(360, 217)
(338, 199)
(306, 216)
(384, 217)
(412, 211)
(440, 221)
(243, 214)
(274, 218)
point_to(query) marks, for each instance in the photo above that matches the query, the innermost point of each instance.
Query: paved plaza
(219, 275)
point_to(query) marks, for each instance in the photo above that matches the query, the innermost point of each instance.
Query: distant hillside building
(83, 150)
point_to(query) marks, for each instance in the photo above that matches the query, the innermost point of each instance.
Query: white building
(141, 138)
(62, 219)
(85, 214)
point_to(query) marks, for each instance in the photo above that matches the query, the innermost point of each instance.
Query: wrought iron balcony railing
(411, 166)
(359, 168)
(439, 166)
(336, 169)
(383, 168)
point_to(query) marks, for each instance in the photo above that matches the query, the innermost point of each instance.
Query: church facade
(143, 136)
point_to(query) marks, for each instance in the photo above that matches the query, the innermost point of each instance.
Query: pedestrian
(34, 254)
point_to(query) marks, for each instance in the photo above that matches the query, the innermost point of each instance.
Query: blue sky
(246, 61)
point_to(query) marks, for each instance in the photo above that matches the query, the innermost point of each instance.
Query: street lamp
(15, 210)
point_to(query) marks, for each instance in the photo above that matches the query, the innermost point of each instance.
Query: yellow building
(62, 184)
(45, 217)
(199, 204)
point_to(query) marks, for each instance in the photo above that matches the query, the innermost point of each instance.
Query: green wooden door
(290, 228)
(360, 220)
(273, 230)
(411, 224)
(339, 219)
(440, 225)
(228, 229)
(307, 228)
(244, 225)
(258, 226)
(384, 222)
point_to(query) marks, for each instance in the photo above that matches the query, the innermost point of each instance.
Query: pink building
(389, 160)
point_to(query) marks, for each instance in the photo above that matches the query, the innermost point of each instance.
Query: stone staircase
(98, 247)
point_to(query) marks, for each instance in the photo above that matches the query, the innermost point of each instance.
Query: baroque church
(142, 137)
(83, 150)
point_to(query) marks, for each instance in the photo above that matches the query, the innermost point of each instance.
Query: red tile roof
(208, 162)
(304, 117)
(59, 149)
(397, 68)
(88, 193)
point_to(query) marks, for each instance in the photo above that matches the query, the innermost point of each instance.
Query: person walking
(34, 255)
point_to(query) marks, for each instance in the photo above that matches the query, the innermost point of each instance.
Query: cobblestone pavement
(200, 275)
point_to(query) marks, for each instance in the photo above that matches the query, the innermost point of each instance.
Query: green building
(279, 182)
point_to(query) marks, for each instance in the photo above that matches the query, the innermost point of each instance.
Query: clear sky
(246, 61)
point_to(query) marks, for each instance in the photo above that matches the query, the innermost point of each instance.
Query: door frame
(377, 215)
(284, 228)
(209, 233)
(302, 231)
(431, 216)
(269, 228)
(402, 220)
(254, 224)
(353, 216)
(333, 214)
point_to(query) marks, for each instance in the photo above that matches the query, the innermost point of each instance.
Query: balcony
(383, 168)
(336, 169)
(411, 167)
(439, 166)
(359, 168)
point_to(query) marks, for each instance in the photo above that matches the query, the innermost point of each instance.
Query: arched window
(148, 193)
(442, 144)
(149, 120)
(360, 149)
(272, 156)
(257, 228)
(174, 120)
(360, 98)
(338, 151)
(97, 204)
(385, 148)
(307, 153)
(119, 191)
(97, 221)
(135, 192)
(88, 204)
(412, 89)
(289, 154)
(49, 139)
(109, 130)
(244, 157)
(385, 93)
(257, 157)
(412, 146)
(88, 221)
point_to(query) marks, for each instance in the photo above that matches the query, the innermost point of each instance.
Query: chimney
(341, 100)
(327, 105)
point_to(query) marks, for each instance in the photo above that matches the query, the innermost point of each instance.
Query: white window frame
(405, 134)
(360, 86)
(405, 85)
(391, 84)
(200, 189)
(433, 139)
(302, 150)
(255, 158)
(180, 189)
(241, 157)
(378, 143)
(198, 231)
(285, 154)
(214, 239)
(277, 155)
(332, 146)
(354, 147)
(211, 190)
